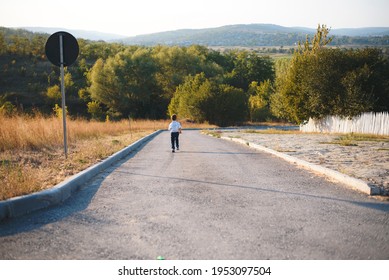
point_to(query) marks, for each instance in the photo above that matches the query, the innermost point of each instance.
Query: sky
(135, 17)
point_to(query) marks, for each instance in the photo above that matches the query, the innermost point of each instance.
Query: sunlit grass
(31, 148)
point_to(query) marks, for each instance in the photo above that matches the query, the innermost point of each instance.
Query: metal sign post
(62, 50)
(65, 142)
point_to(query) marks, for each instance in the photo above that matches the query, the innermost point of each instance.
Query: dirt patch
(365, 158)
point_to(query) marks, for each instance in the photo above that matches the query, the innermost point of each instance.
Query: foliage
(54, 93)
(95, 110)
(126, 83)
(7, 109)
(58, 111)
(249, 67)
(190, 99)
(218, 86)
(201, 99)
(259, 100)
(31, 148)
(228, 106)
(322, 81)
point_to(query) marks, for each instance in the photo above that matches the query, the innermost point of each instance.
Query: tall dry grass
(31, 148)
(34, 133)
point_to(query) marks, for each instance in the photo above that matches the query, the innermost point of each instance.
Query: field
(31, 148)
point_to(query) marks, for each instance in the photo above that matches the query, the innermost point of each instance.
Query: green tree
(84, 94)
(278, 98)
(191, 97)
(54, 93)
(321, 82)
(126, 83)
(95, 110)
(176, 63)
(249, 67)
(38, 46)
(3, 45)
(201, 99)
(259, 100)
(68, 81)
(319, 41)
(227, 105)
(366, 82)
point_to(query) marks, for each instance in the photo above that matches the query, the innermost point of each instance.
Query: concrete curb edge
(351, 182)
(22, 205)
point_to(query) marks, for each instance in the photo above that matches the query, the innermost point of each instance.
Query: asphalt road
(213, 199)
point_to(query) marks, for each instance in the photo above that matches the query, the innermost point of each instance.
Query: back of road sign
(70, 48)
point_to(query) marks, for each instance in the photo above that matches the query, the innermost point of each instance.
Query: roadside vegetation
(31, 148)
(352, 139)
(226, 87)
(111, 84)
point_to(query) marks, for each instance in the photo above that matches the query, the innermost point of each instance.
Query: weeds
(363, 137)
(17, 180)
(351, 139)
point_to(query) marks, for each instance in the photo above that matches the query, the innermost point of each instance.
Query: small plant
(58, 111)
(213, 133)
(7, 109)
(95, 110)
(346, 142)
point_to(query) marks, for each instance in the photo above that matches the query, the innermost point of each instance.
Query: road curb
(22, 205)
(350, 182)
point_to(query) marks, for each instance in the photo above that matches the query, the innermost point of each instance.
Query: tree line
(195, 82)
(320, 81)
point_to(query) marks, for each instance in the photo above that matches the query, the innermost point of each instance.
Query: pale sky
(134, 17)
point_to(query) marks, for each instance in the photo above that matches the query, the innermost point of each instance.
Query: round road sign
(70, 48)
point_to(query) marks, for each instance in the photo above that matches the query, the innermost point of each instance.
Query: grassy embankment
(31, 149)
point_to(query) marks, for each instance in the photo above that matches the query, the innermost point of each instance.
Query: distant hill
(254, 35)
(244, 35)
(361, 32)
(84, 34)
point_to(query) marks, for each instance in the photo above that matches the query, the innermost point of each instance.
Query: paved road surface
(212, 200)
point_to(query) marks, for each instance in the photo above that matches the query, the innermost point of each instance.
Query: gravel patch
(365, 160)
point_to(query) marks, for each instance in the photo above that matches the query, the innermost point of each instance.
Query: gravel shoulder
(365, 160)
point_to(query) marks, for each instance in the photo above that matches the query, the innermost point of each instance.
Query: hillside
(258, 35)
(244, 35)
(146, 82)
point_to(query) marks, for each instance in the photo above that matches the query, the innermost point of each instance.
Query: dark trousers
(174, 139)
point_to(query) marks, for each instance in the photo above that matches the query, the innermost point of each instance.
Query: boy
(175, 129)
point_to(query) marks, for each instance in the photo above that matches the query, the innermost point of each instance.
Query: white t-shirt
(174, 126)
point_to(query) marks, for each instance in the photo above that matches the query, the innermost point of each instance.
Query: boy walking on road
(175, 130)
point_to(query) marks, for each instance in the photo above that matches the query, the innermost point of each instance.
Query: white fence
(367, 123)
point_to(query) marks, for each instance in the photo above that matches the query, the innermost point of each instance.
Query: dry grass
(352, 139)
(31, 148)
(35, 133)
(363, 137)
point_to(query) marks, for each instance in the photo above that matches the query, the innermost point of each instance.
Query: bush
(321, 82)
